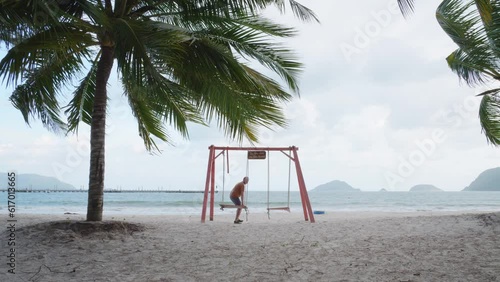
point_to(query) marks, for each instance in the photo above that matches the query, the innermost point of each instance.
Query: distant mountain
(383, 190)
(488, 180)
(424, 188)
(335, 185)
(35, 182)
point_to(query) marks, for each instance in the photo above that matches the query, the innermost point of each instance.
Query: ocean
(158, 203)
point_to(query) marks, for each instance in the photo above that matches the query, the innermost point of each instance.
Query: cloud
(356, 120)
(5, 148)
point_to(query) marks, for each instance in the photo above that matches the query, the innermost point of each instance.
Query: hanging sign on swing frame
(256, 155)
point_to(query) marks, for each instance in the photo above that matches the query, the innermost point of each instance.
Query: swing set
(253, 153)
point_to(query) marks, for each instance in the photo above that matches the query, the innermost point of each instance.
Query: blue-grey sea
(191, 203)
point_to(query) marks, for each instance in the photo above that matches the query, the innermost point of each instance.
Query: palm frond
(489, 116)
(95, 16)
(485, 10)
(239, 98)
(246, 35)
(302, 12)
(240, 114)
(489, 92)
(475, 67)
(489, 13)
(45, 63)
(407, 7)
(251, 44)
(226, 8)
(37, 97)
(148, 120)
(154, 101)
(79, 109)
(23, 18)
(153, 97)
(33, 51)
(263, 25)
(460, 23)
(42, 105)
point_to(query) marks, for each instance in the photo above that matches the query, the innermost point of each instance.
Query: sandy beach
(338, 247)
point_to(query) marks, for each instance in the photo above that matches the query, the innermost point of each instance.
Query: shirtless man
(237, 192)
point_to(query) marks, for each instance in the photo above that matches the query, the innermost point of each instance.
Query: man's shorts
(235, 200)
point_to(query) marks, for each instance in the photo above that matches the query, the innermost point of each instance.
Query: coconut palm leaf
(489, 12)
(460, 23)
(407, 7)
(139, 56)
(475, 27)
(45, 46)
(250, 44)
(79, 109)
(44, 63)
(226, 8)
(489, 116)
(224, 89)
(475, 67)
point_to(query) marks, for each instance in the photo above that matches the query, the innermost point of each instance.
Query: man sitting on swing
(237, 192)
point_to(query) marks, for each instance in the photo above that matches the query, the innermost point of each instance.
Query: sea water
(160, 203)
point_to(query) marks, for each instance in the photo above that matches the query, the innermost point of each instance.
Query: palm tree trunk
(97, 136)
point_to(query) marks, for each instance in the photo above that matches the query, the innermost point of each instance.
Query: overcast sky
(379, 108)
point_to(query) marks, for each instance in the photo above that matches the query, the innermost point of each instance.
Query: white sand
(338, 247)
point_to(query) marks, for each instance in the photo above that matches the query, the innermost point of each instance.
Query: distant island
(424, 188)
(488, 180)
(36, 182)
(336, 185)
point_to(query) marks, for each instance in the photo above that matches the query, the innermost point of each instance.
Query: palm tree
(179, 61)
(474, 26)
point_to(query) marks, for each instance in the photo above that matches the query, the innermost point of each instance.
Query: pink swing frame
(210, 180)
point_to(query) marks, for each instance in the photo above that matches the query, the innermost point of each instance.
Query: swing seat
(280, 209)
(229, 206)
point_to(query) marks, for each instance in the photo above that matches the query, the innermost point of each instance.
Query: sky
(378, 108)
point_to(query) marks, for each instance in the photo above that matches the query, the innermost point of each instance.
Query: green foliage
(474, 25)
(179, 61)
(489, 116)
(407, 6)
